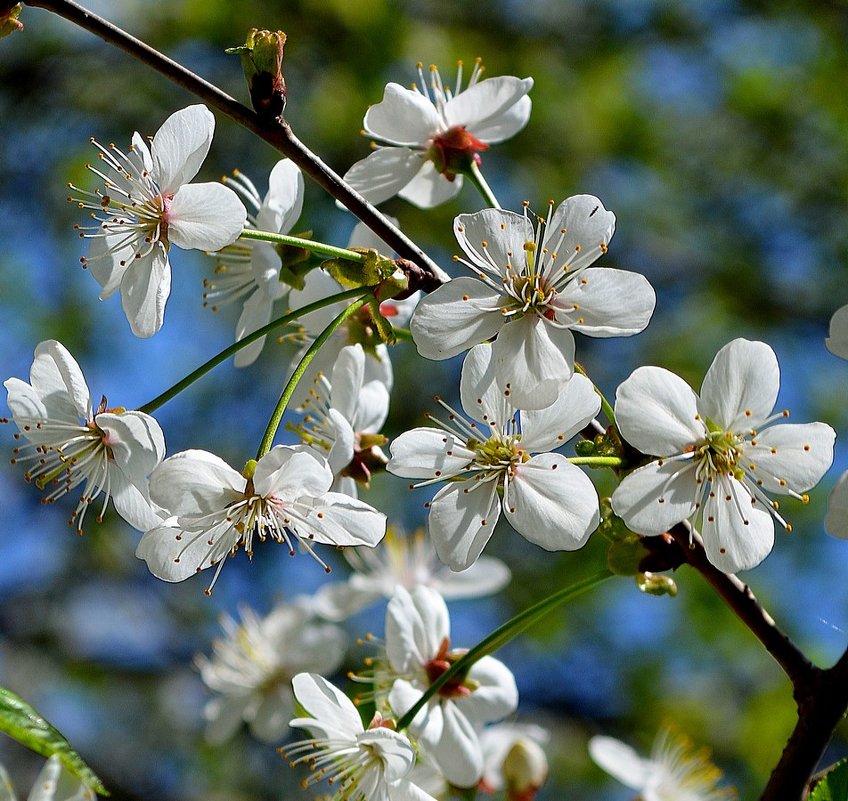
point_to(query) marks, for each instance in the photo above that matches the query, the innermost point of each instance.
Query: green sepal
(373, 270)
(833, 786)
(22, 723)
(9, 22)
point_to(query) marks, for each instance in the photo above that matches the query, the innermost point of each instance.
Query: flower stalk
(320, 248)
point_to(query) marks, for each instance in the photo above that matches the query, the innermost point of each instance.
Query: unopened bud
(525, 769)
(262, 62)
(656, 584)
(9, 22)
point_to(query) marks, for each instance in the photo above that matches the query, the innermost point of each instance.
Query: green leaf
(833, 786)
(21, 722)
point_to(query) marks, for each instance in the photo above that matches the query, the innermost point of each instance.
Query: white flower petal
(486, 576)
(428, 453)
(791, 458)
(255, 313)
(132, 504)
(462, 520)
(343, 520)
(552, 503)
(144, 291)
(287, 472)
(429, 188)
(620, 761)
(607, 303)
(481, 397)
(505, 126)
(533, 360)
(417, 623)
(265, 264)
(402, 117)
(284, 202)
(270, 722)
(372, 408)
(172, 554)
(180, 146)
(579, 232)
(326, 704)
(550, 428)
(837, 342)
(836, 521)
(657, 411)
(195, 483)
(395, 752)
(494, 239)
(58, 380)
(480, 107)
(457, 752)
(109, 256)
(740, 388)
(656, 496)
(135, 440)
(224, 716)
(342, 599)
(737, 536)
(461, 313)
(496, 695)
(205, 217)
(342, 449)
(384, 173)
(347, 377)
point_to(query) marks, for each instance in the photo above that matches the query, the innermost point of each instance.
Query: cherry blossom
(720, 454)
(503, 460)
(513, 758)
(146, 205)
(215, 510)
(372, 764)
(675, 771)
(253, 664)
(425, 137)
(249, 270)
(531, 289)
(109, 451)
(418, 649)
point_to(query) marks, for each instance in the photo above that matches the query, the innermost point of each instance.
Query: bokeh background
(716, 130)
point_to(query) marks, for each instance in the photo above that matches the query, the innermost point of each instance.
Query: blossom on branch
(720, 454)
(146, 205)
(216, 510)
(110, 451)
(504, 460)
(531, 289)
(427, 136)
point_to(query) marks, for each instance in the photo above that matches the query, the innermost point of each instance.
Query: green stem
(597, 461)
(225, 354)
(288, 391)
(476, 178)
(295, 241)
(403, 334)
(501, 636)
(606, 408)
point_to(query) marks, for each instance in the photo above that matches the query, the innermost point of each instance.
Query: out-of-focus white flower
(146, 205)
(216, 510)
(110, 451)
(252, 666)
(52, 784)
(719, 453)
(676, 771)
(836, 521)
(248, 270)
(837, 343)
(532, 288)
(425, 137)
(372, 764)
(504, 461)
(513, 758)
(404, 561)
(418, 651)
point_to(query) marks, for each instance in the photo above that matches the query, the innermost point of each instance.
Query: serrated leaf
(21, 722)
(833, 786)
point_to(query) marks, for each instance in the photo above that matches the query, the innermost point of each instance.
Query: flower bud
(525, 769)
(9, 22)
(262, 62)
(656, 584)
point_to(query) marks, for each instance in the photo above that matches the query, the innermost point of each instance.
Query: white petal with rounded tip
(255, 313)
(384, 173)
(224, 715)
(505, 234)
(606, 303)
(620, 761)
(108, 260)
(195, 482)
(372, 409)
(25, 404)
(457, 751)
(342, 520)
(180, 146)
(342, 449)
(836, 521)
(402, 117)
(265, 264)
(346, 380)
(270, 722)
(792, 457)
(656, 412)
(486, 576)
(144, 291)
(462, 520)
(428, 453)
(288, 474)
(481, 106)
(47, 781)
(552, 503)
(341, 599)
(575, 406)
(132, 504)
(206, 217)
(837, 342)
(395, 752)
(737, 535)
(417, 623)
(172, 554)
(428, 188)
(495, 696)
(59, 382)
(505, 125)
(740, 388)
(461, 313)
(588, 229)
(284, 202)
(657, 496)
(481, 397)
(533, 360)
(135, 440)
(328, 705)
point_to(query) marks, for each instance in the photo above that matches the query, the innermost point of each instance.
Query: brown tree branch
(276, 133)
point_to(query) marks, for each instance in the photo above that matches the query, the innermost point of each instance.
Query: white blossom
(404, 561)
(418, 649)
(522, 743)
(426, 136)
(502, 461)
(146, 205)
(110, 452)
(531, 289)
(836, 521)
(720, 454)
(215, 510)
(372, 764)
(252, 666)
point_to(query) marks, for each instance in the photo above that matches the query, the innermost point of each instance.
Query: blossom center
(457, 686)
(719, 452)
(498, 452)
(453, 151)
